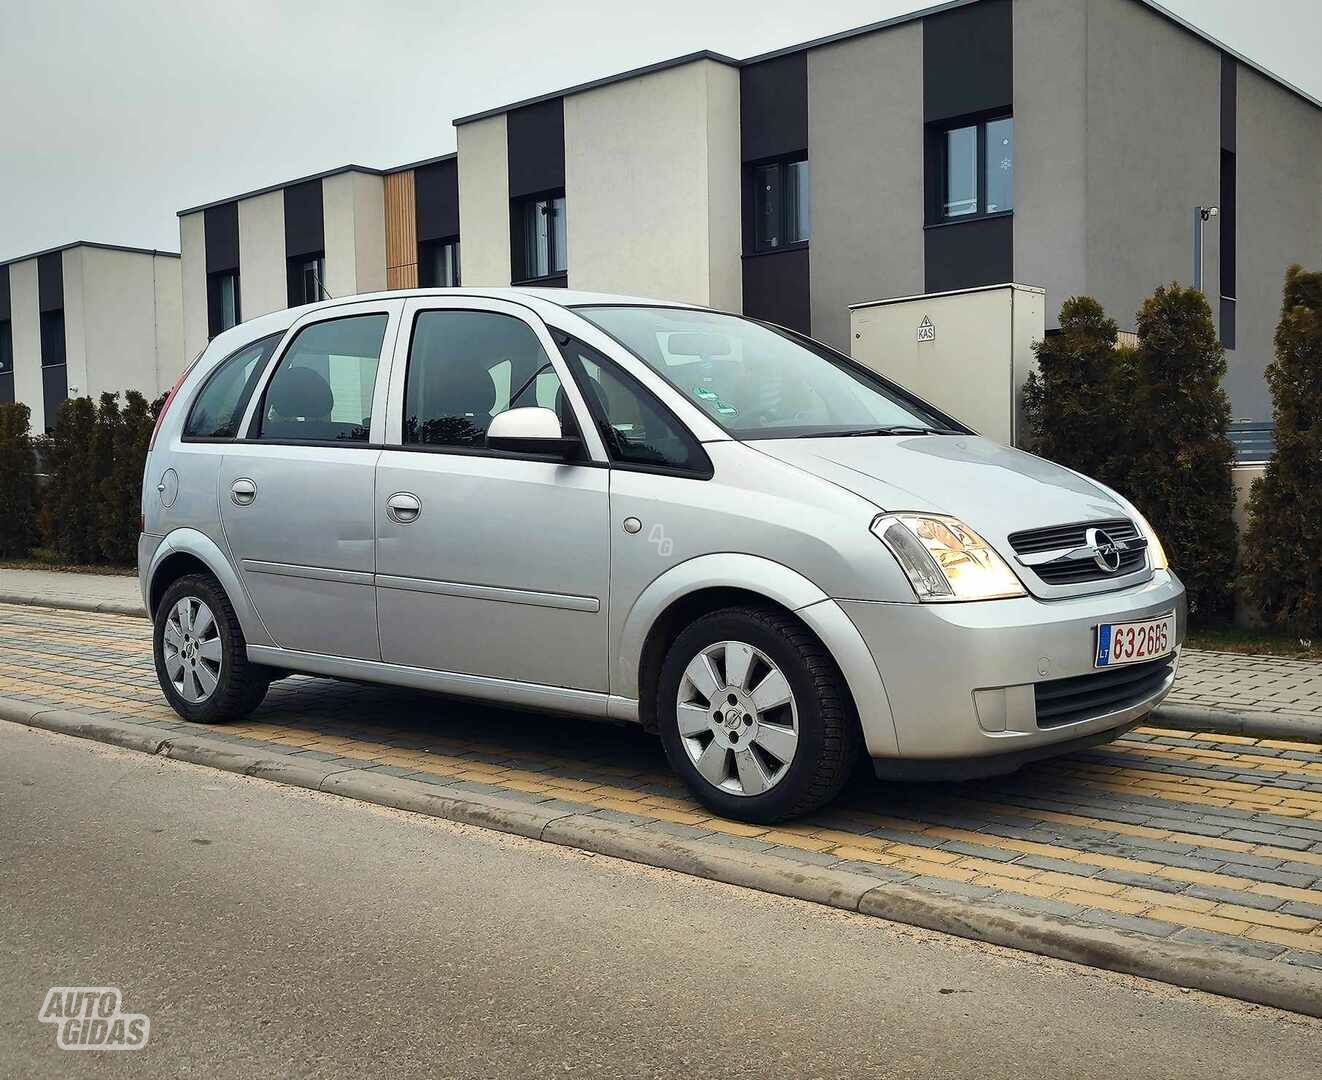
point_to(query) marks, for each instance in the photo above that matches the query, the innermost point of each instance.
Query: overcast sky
(117, 113)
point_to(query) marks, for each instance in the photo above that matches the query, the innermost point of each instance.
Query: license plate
(1128, 643)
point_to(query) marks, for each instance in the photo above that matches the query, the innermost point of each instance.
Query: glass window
(6, 346)
(759, 382)
(999, 166)
(961, 194)
(636, 428)
(52, 338)
(467, 366)
(780, 204)
(222, 301)
(322, 390)
(438, 264)
(307, 276)
(219, 408)
(544, 237)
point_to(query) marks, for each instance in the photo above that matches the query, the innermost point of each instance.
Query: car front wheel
(754, 715)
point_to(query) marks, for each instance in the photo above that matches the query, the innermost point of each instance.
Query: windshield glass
(758, 382)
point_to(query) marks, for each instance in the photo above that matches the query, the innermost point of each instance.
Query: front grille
(1065, 537)
(1083, 697)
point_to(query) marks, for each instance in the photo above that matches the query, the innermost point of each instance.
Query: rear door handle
(243, 491)
(403, 508)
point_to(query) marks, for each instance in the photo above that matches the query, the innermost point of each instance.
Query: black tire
(828, 727)
(240, 686)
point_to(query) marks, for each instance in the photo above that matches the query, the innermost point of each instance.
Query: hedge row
(1152, 423)
(88, 510)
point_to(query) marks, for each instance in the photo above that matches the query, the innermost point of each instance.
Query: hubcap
(192, 650)
(737, 718)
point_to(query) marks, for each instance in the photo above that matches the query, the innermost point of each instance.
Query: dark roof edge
(284, 184)
(90, 244)
(423, 163)
(1267, 73)
(858, 31)
(633, 73)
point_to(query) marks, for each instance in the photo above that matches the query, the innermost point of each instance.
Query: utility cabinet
(968, 352)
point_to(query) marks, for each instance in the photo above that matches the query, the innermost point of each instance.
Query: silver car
(736, 537)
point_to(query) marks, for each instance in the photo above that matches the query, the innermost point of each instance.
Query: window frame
(257, 378)
(519, 274)
(214, 302)
(595, 455)
(440, 242)
(782, 165)
(251, 425)
(296, 268)
(938, 149)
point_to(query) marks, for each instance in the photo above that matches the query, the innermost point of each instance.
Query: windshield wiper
(893, 429)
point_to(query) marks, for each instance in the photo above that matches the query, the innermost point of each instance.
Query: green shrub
(1082, 394)
(18, 482)
(69, 506)
(121, 488)
(1179, 475)
(1282, 570)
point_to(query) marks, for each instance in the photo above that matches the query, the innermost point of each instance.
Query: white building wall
(119, 322)
(25, 326)
(193, 283)
(353, 224)
(484, 201)
(652, 186)
(170, 358)
(263, 279)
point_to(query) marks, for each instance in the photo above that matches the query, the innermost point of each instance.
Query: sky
(117, 113)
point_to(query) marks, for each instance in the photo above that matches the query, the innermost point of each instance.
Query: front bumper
(960, 677)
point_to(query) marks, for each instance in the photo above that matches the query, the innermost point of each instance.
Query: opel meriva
(705, 524)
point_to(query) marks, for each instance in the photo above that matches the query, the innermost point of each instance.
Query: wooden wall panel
(401, 231)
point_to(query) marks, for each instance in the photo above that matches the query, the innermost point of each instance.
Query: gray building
(86, 318)
(1063, 144)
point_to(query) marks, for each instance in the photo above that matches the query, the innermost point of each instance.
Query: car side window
(637, 429)
(322, 390)
(466, 367)
(219, 407)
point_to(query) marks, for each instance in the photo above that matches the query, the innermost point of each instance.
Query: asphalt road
(271, 931)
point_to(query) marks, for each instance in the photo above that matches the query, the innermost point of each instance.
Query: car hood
(994, 489)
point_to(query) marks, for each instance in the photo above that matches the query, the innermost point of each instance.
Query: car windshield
(759, 382)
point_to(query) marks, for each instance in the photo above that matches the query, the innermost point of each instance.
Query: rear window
(219, 408)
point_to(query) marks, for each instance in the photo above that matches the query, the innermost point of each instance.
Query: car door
(296, 494)
(488, 563)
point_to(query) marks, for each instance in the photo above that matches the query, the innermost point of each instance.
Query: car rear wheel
(754, 715)
(201, 658)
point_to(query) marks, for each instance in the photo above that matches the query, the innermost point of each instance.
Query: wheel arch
(709, 583)
(188, 551)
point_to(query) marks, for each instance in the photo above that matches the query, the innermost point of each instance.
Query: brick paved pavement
(1169, 835)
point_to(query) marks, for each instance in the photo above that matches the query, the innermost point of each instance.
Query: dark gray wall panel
(50, 281)
(436, 188)
(4, 292)
(535, 137)
(773, 107)
(776, 288)
(304, 227)
(967, 60)
(969, 254)
(54, 392)
(220, 229)
(1229, 101)
(7, 388)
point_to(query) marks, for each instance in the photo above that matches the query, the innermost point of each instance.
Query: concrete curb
(1263, 982)
(1251, 725)
(103, 607)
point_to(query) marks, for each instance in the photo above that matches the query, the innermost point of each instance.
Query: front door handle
(243, 491)
(403, 508)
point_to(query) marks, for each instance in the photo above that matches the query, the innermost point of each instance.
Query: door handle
(243, 491)
(403, 508)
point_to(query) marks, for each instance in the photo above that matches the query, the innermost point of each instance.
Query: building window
(307, 278)
(222, 301)
(976, 176)
(542, 237)
(438, 264)
(780, 204)
(54, 373)
(6, 362)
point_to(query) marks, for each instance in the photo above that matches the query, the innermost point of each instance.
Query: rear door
(297, 493)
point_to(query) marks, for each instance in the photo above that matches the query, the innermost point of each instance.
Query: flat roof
(89, 244)
(337, 171)
(853, 32)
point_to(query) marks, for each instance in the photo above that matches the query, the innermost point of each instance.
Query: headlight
(1156, 553)
(944, 559)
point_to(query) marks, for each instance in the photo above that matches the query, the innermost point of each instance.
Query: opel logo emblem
(1105, 551)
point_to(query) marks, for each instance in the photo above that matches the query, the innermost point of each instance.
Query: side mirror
(531, 431)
